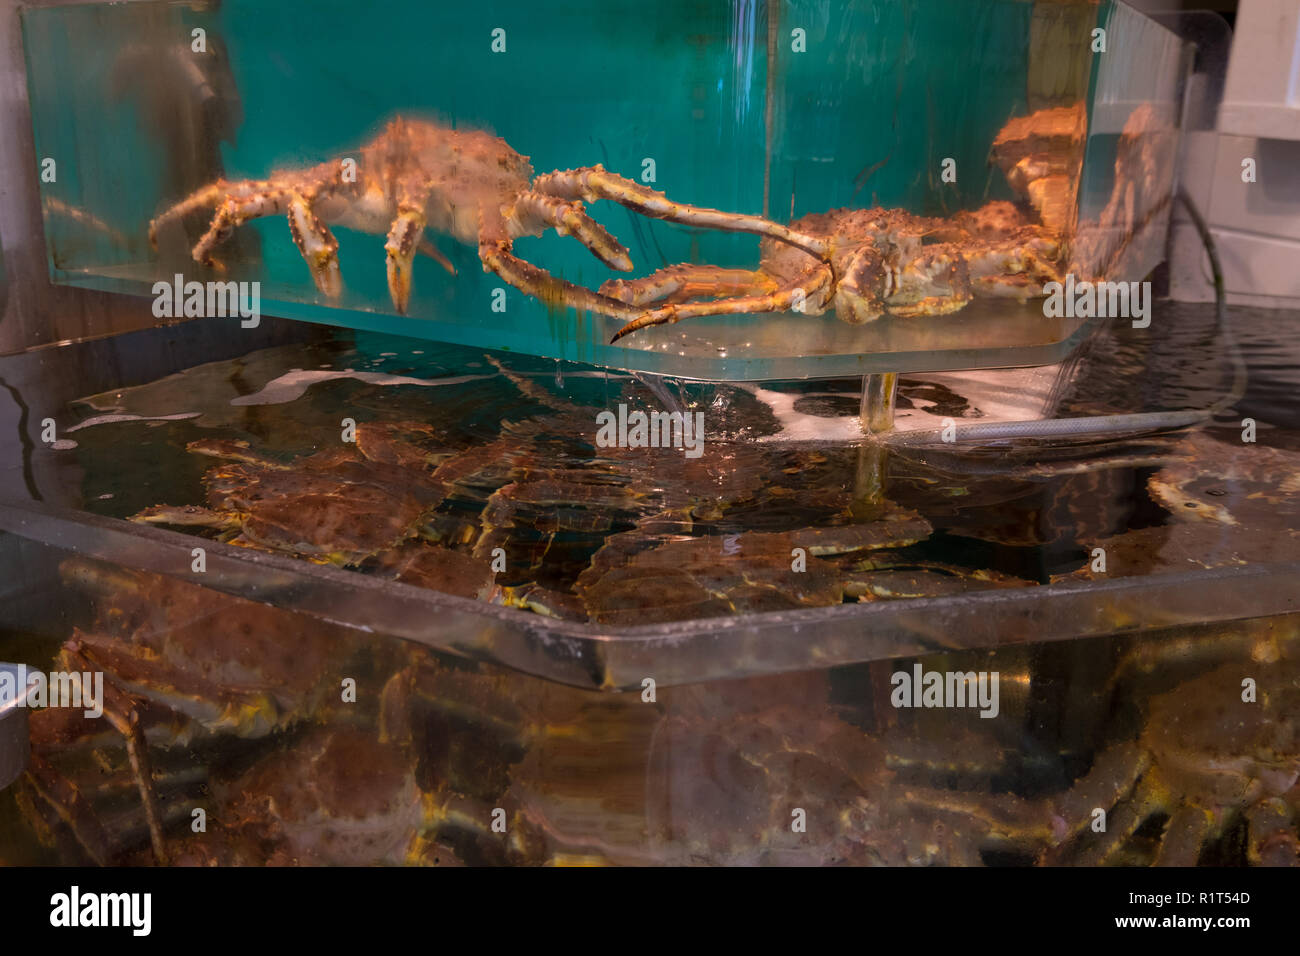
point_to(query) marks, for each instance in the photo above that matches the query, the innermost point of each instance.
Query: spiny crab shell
(863, 263)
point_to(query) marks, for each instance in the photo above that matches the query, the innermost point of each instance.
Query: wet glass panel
(783, 109)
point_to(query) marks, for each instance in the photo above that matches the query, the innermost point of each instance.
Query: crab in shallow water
(432, 566)
(677, 560)
(862, 263)
(707, 774)
(1229, 483)
(468, 184)
(1229, 503)
(649, 578)
(337, 506)
(567, 764)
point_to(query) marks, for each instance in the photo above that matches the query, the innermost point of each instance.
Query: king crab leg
(238, 202)
(681, 283)
(591, 183)
(497, 257)
(569, 218)
(417, 175)
(817, 280)
(427, 248)
(208, 197)
(403, 241)
(121, 712)
(317, 244)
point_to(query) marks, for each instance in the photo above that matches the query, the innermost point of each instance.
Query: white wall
(1256, 225)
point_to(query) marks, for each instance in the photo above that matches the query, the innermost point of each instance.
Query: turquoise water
(788, 108)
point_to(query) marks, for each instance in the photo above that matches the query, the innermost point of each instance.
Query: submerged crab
(332, 796)
(670, 555)
(862, 263)
(337, 506)
(1205, 761)
(1247, 485)
(182, 665)
(868, 262)
(648, 579)
(466, 183)
(733, 765)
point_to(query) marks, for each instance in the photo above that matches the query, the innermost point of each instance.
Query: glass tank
(1001, 145)
(255, 735)
(498, 481)
(678, 660)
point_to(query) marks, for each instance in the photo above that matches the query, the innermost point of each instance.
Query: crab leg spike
(591, 183)
(534, 211)
(782, 299)
(528, 278)
(403, 239)
(681, 283)
(318, 246)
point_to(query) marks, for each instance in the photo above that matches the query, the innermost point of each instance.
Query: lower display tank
(268, 738)
(1082, 658)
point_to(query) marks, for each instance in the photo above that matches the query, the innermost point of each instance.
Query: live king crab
(468, 184)
(465, 183)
